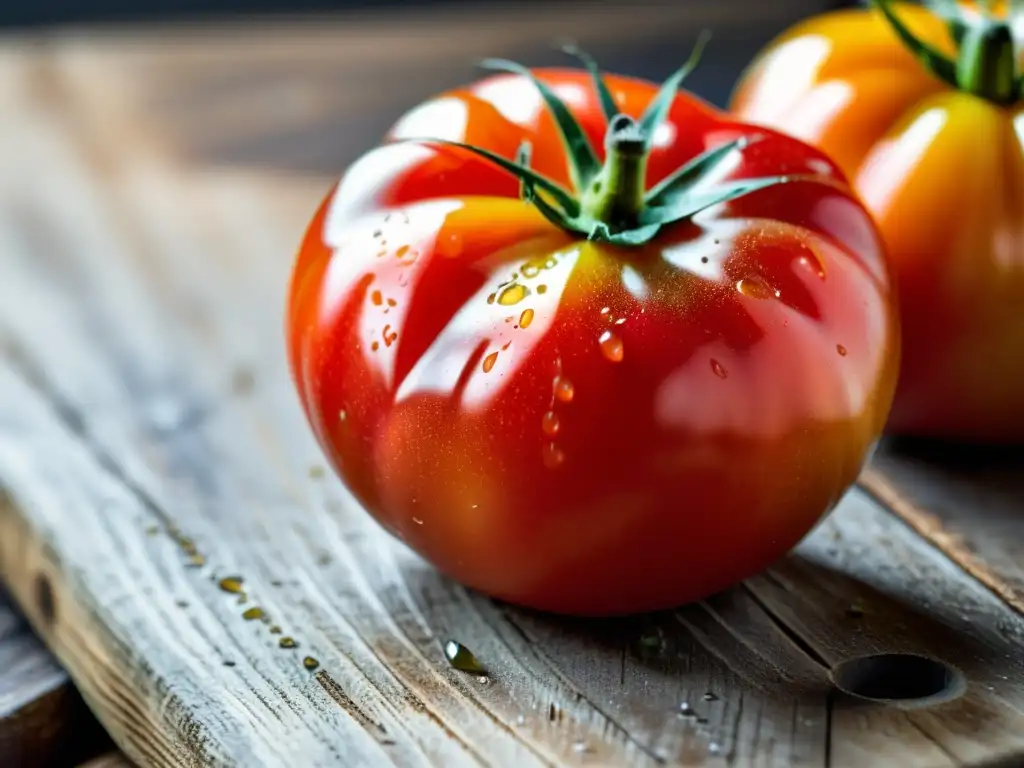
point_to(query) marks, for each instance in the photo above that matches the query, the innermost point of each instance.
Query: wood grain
(43, 720)
(109, 760)
(151, 447)
(967, 500)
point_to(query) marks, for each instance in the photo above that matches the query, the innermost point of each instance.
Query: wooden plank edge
(43, 718)
(931, 528)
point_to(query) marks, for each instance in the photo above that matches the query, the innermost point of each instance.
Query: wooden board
(43, 720)
(152, 195)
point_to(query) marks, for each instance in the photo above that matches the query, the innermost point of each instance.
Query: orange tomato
(931, 139)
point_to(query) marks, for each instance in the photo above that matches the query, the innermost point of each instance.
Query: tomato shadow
(902, 621)
(956, 457)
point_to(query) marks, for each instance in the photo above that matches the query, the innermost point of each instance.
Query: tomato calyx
(609, 201)
(986, 61)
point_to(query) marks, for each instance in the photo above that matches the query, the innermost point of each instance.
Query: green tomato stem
(987, 65)
(616, 195)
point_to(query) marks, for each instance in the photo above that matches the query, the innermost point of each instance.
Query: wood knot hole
(903, 679)
(45, 604)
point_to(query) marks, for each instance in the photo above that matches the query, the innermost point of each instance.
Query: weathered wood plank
(310, 97)
(110, 760)
(152, 447)
(42, 718)
(968, 500)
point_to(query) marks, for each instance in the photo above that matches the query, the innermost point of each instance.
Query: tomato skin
(573, 426)
(943, 174)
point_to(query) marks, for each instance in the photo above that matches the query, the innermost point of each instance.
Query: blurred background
(396, 45)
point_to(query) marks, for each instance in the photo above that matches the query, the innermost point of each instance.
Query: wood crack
(803, 645)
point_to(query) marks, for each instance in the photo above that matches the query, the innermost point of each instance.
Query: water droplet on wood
(232, 584)
(460, 657)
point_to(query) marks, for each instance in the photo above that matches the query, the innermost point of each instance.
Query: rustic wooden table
(153, 188)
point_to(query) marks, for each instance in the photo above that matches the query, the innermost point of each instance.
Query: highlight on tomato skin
(589, 345)
(923, 109)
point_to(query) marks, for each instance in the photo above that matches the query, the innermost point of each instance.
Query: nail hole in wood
(44, 600)
(898, 678)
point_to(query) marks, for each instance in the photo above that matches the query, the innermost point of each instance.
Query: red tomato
(610, 407)
(931, 133)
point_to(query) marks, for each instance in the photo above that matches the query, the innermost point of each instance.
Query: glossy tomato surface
(942, 171)
(574, 426)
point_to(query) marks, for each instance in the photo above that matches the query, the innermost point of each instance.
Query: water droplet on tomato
(563, 389)
(841, 349)
(404, 251)
(611, 346)
(513, 294)
(549, 423)
(343, 414)
(310, 663)
(526, 318)
(620, 321)
(755, 288)
(253, 614)
(553, 456)
(376, 298)
(718, 369)
(390, 336)
(491, 298)
(531, 269)
(489, 362)
(375, 346)
(542, 289)
(605, 310)
(417, 521)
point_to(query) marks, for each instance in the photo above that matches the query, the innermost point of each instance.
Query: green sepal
(694, 169)
(604, 96)
(987, 65)
(691, 202)
(583, 163)
(637, 236)
(933, 60)
(523, 155)
(524, 174)
(559, 218)
(660, 105)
